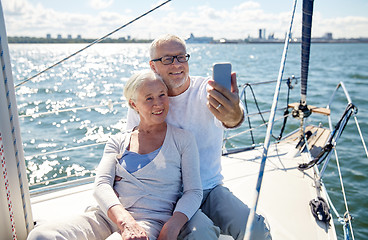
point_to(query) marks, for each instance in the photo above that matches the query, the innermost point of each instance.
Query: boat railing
(351, 110)
(341, 85)
(234, 133)
(63, 185)
(330, 147)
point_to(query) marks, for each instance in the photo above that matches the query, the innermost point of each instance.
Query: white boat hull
(284, 199)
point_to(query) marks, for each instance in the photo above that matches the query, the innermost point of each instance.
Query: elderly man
(205, 108)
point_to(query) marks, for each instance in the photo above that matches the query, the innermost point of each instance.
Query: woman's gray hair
(165, 38)
(135, 81)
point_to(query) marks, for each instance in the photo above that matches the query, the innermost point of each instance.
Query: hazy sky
(230, 19)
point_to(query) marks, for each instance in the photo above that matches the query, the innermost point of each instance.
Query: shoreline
(35, 40)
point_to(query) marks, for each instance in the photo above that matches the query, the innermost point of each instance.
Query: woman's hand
(171, 228)
(129, 228)
(133, 230)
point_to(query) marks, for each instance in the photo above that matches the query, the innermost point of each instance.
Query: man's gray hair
(162, 39)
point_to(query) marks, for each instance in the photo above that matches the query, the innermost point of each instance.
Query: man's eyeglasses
(182, 58)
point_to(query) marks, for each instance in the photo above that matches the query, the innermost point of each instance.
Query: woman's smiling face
(152, 102)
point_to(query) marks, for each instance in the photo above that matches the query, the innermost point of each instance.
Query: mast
(302, 110)
(15, 209)
(306, 42)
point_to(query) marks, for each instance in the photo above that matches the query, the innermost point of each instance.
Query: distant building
(79, 36)
(59, 36)
(48, 36)
(262, 33)
(69, 36)
(193, 39)
(328, 36)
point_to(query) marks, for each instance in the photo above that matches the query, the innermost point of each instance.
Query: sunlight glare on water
(91, 85)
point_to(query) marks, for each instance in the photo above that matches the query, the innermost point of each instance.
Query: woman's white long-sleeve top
(170, 182)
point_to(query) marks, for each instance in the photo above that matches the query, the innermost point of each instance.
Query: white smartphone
(222, 74)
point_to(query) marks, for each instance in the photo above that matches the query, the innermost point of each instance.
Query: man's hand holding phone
(223, 96)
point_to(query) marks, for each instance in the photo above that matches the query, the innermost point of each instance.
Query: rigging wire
(66, 149)
(109, 104)
(286, 111)
(93, 43)
(254, 128)
(247, 110)
(347, 217)
(271, 81)
(252, 213)
(91, 173)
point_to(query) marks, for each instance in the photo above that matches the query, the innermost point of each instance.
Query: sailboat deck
(284, 198)
(285, 192)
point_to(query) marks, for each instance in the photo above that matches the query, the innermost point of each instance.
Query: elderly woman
(157, 166)
(154, 160)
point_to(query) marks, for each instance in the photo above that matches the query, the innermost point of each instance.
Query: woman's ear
(133, 105)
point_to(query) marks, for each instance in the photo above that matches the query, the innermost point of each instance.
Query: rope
(93, 43)
(13, 131)
(286, 112)
(346, 220)
(339, 128)
(7, 188)
(252, 213)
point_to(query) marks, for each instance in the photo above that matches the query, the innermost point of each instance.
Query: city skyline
(241, 19)
(262, 34)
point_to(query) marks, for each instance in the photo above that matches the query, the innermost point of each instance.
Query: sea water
(80, 103)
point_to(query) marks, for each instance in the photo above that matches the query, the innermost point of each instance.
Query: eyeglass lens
(170, 59)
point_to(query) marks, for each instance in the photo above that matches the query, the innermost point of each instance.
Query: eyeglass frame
(187, 56)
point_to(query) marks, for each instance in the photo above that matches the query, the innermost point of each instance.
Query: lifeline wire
(252, 213)
(94, 42)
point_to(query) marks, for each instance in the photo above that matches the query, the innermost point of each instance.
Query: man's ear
(153, 67)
